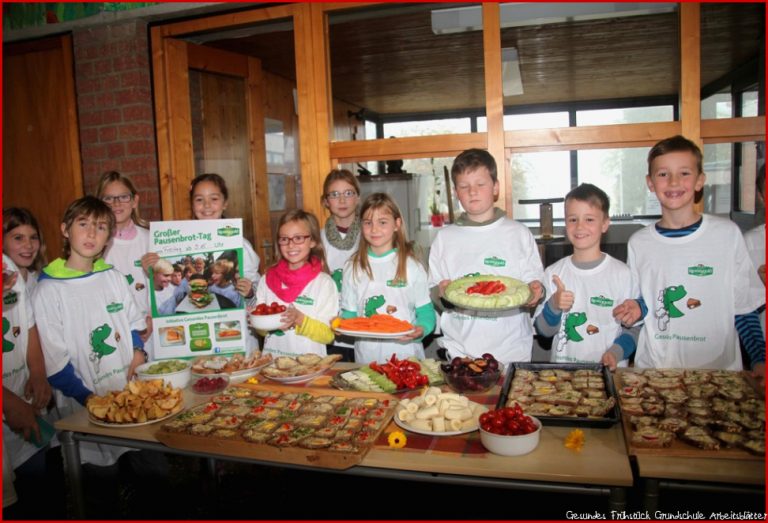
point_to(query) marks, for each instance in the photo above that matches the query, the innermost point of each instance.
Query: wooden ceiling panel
(394, 64)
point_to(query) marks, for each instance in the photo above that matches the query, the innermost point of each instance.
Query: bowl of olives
(471, 374)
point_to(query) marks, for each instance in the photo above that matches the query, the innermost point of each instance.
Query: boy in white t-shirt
(585, 287)
(755, 238)
(483, 240)
(89, 322)
(697, 284)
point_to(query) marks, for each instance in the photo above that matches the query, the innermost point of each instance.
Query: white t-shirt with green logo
(18, 318)
(87, 321)
(504, 247)
(693, 287)
(589, 329)
(319, 300)
(384, 295)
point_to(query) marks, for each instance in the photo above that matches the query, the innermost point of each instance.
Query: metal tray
(609, 420)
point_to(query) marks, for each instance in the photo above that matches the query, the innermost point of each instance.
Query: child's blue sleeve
(348, 314)
(69, 384)
(751, 334)
(426, 318)
(138, 343)
(548, 322)
(643, 307)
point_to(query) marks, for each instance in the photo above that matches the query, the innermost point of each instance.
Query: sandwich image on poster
(172, 336)
(195, 306)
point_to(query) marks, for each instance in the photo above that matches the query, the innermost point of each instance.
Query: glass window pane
(589, 51)
(718, 168)
(427, 127)
(749, 103)
(537, 176)
(519, 122)
(717, 106)
(394, 59)
(747, 175)
(621, 174)
(661, 113)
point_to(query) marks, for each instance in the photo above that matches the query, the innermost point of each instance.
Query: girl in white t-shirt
(208, 195)
(341, 236)
(299, 279)
(130, 242)
(385, 276)
(23, 244)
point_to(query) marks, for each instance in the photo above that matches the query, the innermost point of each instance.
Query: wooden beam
(690, 71)
(411, 147)
(723, 130)
(590, 137)
(257, 140)
(177, 101)
(162, 131)
(311, 87)
(222, 62)
(227, 21)
(494, 100)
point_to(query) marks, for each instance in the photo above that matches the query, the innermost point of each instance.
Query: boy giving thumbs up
(585, 288)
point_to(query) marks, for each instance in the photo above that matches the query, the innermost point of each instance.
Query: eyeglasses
(122, 198)
(335, 195)
(296, 240)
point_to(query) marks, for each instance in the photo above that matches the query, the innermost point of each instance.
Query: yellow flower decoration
(397, 439)
(253, 381)
(575, 440)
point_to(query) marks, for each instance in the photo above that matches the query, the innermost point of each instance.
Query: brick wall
(114, 98)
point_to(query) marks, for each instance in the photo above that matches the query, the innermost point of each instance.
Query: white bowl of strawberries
(266, 317)
(509, 431)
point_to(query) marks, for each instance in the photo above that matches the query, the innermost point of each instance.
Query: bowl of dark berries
(471, 374)
(209, 383)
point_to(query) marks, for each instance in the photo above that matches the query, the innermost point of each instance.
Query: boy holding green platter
(586, 287)
(484, 242)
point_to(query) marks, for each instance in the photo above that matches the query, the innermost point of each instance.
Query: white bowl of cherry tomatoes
(266, 317)
(509, 431)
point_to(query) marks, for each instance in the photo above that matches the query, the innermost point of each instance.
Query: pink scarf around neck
(287, 283)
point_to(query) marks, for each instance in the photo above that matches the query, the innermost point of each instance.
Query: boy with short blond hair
(483, 240)
(694, 273)
(585, 287)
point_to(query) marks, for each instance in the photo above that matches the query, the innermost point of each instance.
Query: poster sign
(195, 308)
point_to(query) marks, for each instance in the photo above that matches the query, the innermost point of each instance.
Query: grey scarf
(466, 222)
(346, 243)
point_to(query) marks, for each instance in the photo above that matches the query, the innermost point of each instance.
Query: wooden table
(601, 468)
(705, 474)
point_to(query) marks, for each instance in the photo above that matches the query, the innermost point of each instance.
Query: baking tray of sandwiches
(692, 413)
(578, 394)
(282, 424)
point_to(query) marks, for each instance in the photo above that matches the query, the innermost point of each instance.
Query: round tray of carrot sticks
(379, 326)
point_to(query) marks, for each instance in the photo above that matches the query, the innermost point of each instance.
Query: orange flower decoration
(575, 440)
(397, 439)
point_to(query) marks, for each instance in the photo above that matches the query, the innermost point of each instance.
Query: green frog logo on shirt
(337, 277)
(573, 320)
(372, 304)
(8, 346)
(99, 345)
(667, 308)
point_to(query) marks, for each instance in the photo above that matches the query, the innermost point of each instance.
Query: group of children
(687, 294)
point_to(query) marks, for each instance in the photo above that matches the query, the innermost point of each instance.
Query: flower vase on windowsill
(438, 220)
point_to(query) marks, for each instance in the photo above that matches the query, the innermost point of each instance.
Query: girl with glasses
(130, 241)
(341, 236)
(299, 279)
(385, 276)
